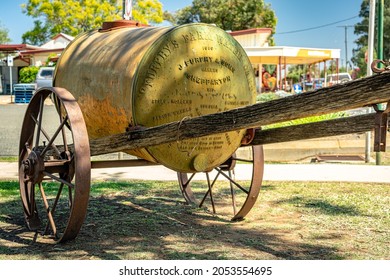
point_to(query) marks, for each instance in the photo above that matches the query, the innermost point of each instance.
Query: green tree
(73, 17)
(4, 35)
(38, 35)
(296, 72)
(28, 74)
(227, 14)
(148, 11)
(361, 29)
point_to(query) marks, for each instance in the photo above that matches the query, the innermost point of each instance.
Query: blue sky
(293, 15)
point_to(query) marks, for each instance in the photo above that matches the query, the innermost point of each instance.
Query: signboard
(10, 61)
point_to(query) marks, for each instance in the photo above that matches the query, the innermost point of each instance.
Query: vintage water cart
(183, 97)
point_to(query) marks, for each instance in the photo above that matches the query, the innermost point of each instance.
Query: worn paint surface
(151, 76)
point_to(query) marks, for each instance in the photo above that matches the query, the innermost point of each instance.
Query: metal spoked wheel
(54, 165)
(230, 195)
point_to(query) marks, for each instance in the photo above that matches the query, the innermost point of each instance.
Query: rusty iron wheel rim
(64, 161)
(251, 190)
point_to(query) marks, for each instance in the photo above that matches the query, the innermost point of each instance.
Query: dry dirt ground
(149, 220)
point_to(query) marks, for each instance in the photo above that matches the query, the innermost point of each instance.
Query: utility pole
(378, 156)
(380, 28)
(127, 9)
(346, 44)
(10, 63)
(370, 58)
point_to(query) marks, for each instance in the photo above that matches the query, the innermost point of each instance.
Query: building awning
(290, 55)
(40, 51)
(17, 47)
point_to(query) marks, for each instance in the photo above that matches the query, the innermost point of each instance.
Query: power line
(316, 27)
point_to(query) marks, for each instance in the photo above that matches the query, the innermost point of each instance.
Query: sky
(331, 16)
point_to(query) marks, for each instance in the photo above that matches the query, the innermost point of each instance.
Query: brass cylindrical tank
(148, 76)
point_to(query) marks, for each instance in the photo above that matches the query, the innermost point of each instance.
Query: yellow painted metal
(154, 75)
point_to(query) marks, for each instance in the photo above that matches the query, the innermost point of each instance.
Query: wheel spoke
(40, 121)
(70, 196)
(26, 147)
(234, 203)
(54, 136)
(47, 137)
(27, 196)
(32, 198)
(62, 164)
(48, 211)
(232, 181)
(242, 199)
(186, 184)
(29, 193)
(58, 179)
(63, 130)
(208, 190)
(243, 159)
(54, 206)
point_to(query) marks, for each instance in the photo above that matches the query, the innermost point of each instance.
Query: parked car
(333, 79)
(44, 77)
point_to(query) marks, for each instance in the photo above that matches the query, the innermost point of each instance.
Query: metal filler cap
(191, 71)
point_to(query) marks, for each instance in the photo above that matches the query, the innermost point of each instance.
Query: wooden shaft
(354, 94)
(341, 126)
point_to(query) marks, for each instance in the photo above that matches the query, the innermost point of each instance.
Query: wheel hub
(33, 167)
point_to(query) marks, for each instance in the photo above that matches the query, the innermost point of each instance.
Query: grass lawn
(149, 220)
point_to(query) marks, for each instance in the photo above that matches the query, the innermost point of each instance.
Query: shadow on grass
(133, 222)
(323, 206)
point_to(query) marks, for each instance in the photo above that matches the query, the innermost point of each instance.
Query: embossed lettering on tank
(194, 71)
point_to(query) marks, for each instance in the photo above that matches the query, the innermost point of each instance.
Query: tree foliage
(4, 35)
(38, 35)
(361, 29)
(148, 11)
(73, 17)
(28, 74)
(227, 14)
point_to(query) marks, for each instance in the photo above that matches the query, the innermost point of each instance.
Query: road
(11, 119)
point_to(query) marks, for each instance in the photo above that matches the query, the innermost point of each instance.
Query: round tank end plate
(191, 71)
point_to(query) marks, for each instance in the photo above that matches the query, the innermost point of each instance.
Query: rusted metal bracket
(375, 66)
(249, 136)
(130, 129)
(381, 128)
